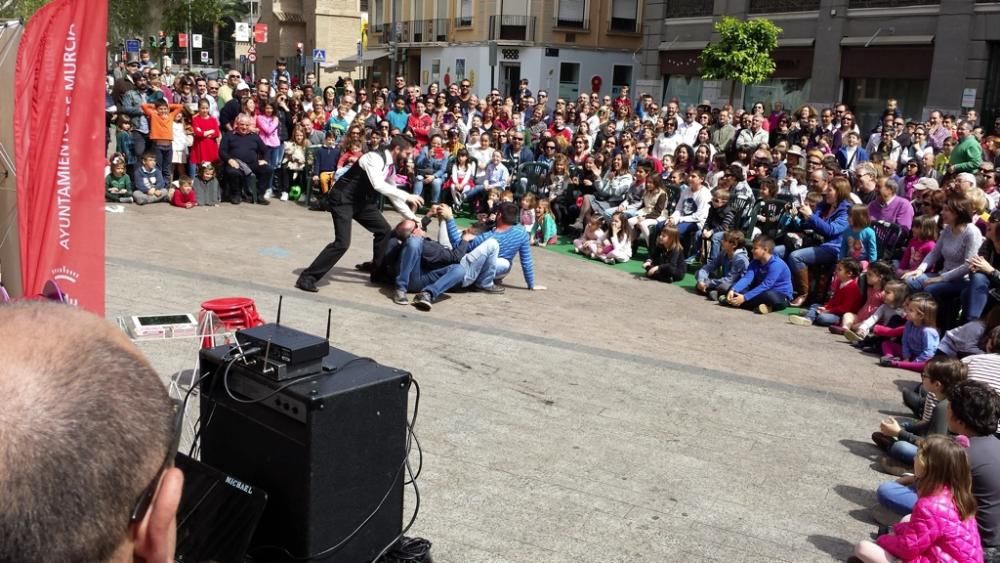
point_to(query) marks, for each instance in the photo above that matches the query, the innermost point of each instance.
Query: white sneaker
(268, 194)
(799, 320)
(284, 196)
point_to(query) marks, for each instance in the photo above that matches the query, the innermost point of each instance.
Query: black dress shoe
(365, 266)
(263, 201)
(235, 200)
(305, 283)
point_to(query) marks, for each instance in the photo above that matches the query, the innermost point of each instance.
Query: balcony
(779, 6)
(689, 8)
(623, 25)
(463, 21)
(889, 3)
(512, 28)
(424, 31)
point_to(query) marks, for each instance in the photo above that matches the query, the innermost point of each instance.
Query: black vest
(354, 187)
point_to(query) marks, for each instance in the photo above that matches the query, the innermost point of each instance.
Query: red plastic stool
(228, 314)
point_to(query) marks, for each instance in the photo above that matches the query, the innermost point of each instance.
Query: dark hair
(991, 341)
(962, 208)
(765, 242)
(508, 212)
(161, 103)
(735, 237)
(851, 266)
(946, 371)
(401, 141)
(736, 171)
(87, 425)
(976, 405)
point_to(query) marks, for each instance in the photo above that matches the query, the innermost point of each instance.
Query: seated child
(733, 261)
(846, 297)
(117, 184)
(922, 241)
(543, 232)
(528, 204)
(899, 439)
(893, 297)
(721, 218)
(592, 237)
(666, 257)
(149, 185)
(920, 336)
(878, 275)
(348, 158)
(767, 284)
(325, 165)
(654, 199)
(969, 339)
(858, 241)
(206, 186)
(618, 246)
(794, 232)
(183, 195)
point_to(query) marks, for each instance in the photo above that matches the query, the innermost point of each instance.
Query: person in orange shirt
(161, 130)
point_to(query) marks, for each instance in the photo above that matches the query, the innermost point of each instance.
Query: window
(441, 21)
(464, 18)
(514, 7)
(569, 80)
(572, 14)
(620, 76)
(624, 15)
(397, 10)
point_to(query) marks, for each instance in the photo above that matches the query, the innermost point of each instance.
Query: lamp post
(190, 40)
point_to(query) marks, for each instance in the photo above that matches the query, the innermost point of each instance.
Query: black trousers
(239, 184)
(367, 214)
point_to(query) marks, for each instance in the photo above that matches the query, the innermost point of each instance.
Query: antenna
(278, 320)
(329, 315)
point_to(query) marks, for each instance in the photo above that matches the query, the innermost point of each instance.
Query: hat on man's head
(243, 87)
(132, 63)
(926, 184)
(795, 150)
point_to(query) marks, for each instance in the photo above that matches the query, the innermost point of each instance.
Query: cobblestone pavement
(608, 419)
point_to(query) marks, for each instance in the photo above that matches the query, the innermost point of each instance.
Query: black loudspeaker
(328, 448)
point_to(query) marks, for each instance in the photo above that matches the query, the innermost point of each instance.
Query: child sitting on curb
(767, 284)
(733, 261)
(846, 297)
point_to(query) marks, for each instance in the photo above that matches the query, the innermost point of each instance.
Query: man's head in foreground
(85, 427)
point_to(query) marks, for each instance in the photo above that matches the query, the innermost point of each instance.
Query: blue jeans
(164, 160)
(480, 265)
(897, 498)
(273, 158)
(945, 291)
(805, 257)
(903, 451)
(821, 319)
(412, 278)
(716, 244)
(689, 232)
(976, 296)
(418, 188)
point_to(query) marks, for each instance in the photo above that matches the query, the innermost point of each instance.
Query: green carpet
(633, 266)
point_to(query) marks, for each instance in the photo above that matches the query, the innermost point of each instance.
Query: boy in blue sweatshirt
(149, 185)
(733, 260)
(325, 165)
(766, 286)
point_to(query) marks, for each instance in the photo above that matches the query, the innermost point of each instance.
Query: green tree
(742, 53)
(126, 18)
(202, 13)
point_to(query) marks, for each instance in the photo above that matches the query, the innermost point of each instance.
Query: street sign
(242, 32)
(260, 33)
(204, 56)
(243, 59)
(196, 40)
(319, 55)
(132, 45)
(252, 58)
(359, 50)
(252, 50)
(182, 40)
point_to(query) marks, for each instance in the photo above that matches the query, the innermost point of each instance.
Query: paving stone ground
(608, 419)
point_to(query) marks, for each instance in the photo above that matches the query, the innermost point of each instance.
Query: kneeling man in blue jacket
(767, 284)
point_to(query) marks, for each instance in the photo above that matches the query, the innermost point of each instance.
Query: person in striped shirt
(986, 367)
(513, 240)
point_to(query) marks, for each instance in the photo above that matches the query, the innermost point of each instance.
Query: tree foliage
(743, 51)
(204, 13)
(126, 18)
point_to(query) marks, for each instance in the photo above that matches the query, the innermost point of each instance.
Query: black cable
(405, 463)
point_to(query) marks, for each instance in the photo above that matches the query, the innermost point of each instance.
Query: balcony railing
(689, 8)
(463, 21)
(581, 23)
(623, 25)
(429, 30)
(889, 3)
(515, 28)
(778, 6)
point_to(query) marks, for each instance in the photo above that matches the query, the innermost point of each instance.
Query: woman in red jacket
(206, 136)
(419, 125)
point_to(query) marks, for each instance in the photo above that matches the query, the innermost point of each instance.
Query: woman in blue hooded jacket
(829, 221)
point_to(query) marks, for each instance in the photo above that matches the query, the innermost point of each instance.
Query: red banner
(59, 143)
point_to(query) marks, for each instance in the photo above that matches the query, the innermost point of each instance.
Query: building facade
(558, 45)
(928, 54)
(331, 25)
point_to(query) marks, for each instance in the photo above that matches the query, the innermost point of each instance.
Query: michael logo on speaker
(239, 485)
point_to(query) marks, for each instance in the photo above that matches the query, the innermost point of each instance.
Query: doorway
(510, 78)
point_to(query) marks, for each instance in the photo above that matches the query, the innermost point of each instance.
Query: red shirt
(420, 126)
(181, 199)
(846, 298)
(565, 133)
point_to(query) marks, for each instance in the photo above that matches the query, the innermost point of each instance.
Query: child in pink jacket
(942, 527)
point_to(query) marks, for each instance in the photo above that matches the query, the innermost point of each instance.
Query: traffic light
(152, 42)
(170, 41)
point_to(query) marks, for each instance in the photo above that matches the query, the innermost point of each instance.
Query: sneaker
(268, 194)
(893, 467)
(425, 222)
(609, 260)
(837, 329)
(852, 336)
(713, 295)
(799, 320)
(886, 361)
(691, 261)
(284, 196)
(493, 289)
(399, 297)
(882, 441)
(263, 201)
(423, 301)
(125, 199)
(763, 309)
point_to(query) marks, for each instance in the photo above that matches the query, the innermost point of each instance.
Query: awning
(804, 42)
(350, 63)
(289, 17)
(683, 45)
(861, 41)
